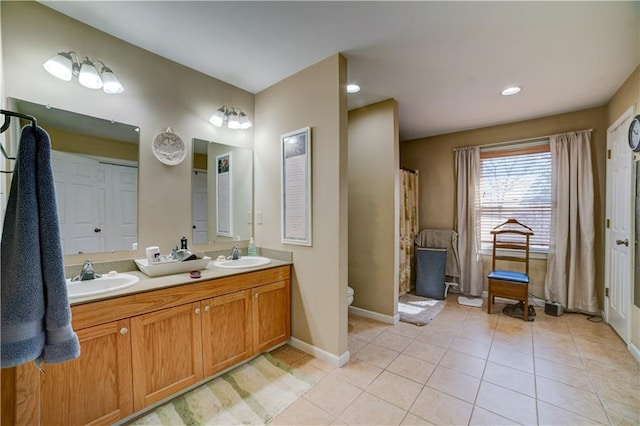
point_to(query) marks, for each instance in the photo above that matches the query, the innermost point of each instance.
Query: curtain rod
(489, 145)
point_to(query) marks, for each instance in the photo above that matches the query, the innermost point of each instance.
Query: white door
(618, 227)
(122, 214)
(76, 186)
(199, 201)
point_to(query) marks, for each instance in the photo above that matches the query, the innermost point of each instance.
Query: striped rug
(251, 394)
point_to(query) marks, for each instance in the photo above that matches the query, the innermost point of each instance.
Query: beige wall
(628, 95)
(434, 158)
(314, 97)
(62, 140)
(373, 206)
(158, 94)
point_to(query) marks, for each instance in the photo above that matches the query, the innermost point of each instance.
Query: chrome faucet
(87, 272)
(235, 253)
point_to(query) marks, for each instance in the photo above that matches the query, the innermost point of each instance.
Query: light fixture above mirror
(234, 117)
(64, 66)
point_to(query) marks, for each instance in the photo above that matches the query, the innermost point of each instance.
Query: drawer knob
(197, 311)
(207, 308)
(256, 295)
(124, 330)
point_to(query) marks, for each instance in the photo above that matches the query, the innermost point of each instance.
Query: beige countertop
(147, 283)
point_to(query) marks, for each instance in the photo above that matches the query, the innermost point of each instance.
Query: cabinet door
(167, 352)
(226, 331)
(94, 388)
(271, 315)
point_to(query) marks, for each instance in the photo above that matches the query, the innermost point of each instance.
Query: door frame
(627, 115)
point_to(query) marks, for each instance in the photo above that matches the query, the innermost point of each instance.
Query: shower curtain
(408, 228)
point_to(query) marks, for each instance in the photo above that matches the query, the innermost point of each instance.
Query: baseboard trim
(388, 319)
(635, 351)
(335, 360)
(532, 300)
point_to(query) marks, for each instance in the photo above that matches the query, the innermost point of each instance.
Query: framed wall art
(224, 195)
(296, 187)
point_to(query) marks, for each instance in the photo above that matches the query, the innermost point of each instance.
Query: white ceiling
(444, 62)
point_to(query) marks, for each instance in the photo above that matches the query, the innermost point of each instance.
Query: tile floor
(467, 367)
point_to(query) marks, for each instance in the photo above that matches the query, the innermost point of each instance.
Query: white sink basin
(105, 284)
(243, 262)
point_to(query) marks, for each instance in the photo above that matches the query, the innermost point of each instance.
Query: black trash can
(430, 272)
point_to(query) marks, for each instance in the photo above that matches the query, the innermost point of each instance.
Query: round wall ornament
(169, 148)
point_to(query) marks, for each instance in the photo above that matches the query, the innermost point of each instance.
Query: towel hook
(5, 126)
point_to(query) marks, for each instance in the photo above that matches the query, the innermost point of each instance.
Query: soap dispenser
(252, 247)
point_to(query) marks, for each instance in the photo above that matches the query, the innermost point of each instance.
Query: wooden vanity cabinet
(166, 353)
(141, 348)
(226, 331)
(90, 390)
(271, 315)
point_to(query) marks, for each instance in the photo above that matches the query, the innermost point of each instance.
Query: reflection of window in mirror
(95, 168)
(206, 201)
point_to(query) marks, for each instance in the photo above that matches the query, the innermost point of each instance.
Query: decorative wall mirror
(222, 192)
(95, 168)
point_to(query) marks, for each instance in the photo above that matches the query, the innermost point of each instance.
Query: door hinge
(609, 154)
(608, 223)
(606, 292)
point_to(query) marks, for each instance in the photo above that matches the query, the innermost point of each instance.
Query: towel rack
(5, 126)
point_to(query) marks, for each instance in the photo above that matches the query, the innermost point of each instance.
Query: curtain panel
(570, 278)
(468, 220)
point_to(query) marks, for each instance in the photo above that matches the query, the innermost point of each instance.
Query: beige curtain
(570, 276)
(468, 220)
(408, 229)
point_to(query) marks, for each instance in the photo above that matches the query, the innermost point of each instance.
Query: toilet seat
(349, 295)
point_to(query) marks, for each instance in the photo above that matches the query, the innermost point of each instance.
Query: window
(515, 182)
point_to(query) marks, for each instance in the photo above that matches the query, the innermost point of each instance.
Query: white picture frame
(295, 155)
(224, 194)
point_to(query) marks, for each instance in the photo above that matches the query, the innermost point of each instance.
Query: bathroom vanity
(138, 349)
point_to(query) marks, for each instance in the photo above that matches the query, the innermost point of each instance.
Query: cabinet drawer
(511, 290)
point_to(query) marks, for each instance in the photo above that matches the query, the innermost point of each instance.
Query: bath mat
(470, 301)
(251, 394)
(418, 310)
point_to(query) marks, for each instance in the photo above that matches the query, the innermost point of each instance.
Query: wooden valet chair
(514, 237)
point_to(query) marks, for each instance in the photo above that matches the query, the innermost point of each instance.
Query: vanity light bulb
(111, 83)
(245, 123)
(234, 122)
(60, 66)
(217, 119)
(89, 76)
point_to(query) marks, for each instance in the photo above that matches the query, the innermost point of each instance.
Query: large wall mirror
(95, 169)
(222, 188)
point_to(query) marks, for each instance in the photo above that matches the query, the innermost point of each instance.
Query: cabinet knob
(256, 295)
(124, 330)
(197, 310)
(207, 308)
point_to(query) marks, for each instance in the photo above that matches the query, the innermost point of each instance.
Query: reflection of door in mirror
(205, 192)
(84, 189)
(199, 199)
(95, 168)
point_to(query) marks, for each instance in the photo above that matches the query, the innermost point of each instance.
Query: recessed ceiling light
(510, 91)
(353, 88)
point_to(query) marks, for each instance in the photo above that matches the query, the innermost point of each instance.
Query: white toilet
(349, 295)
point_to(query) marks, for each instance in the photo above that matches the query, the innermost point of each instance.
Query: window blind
(516, 185)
